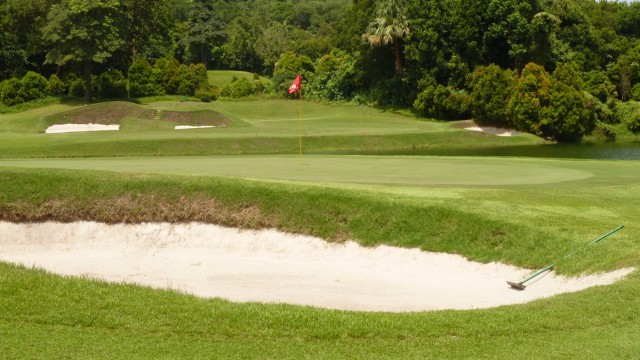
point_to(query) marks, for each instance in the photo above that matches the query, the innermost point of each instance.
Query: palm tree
(389, 27)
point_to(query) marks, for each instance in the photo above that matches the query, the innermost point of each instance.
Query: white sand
(494, 131)
(185, 127)
(274, 267)
(65, 128)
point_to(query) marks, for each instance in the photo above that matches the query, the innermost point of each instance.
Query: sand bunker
(66, 128)
(494, 131)
(273, 267)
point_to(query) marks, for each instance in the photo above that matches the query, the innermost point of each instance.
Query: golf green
(390, 170)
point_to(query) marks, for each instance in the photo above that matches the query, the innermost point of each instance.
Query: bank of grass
(51, 316)
(260, 127)
(220, 78)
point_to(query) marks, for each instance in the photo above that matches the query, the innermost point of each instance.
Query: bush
(199, 73)
(491, 89)
(77, 88)
(143, 80)
(242, 88)
(605, 132)
(169, 70)
(205, 95)
(55, 86)
(634, 124)
(112, 84)
(10, 92)
(34, 86)
(187, 83)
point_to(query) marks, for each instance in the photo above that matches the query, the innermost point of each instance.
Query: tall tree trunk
(396, 48)
(87, 82)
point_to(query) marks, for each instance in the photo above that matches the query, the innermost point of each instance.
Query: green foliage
(142, 80)
(605, 132)
(11, 92)
(55, 86)
(566, 119)
(200, 76)
(334, 77)
(187, 81)
(491, 89)
(444, 103)
(390, 26)
(629, 114)
(112, 84)
(289, 65)
(84, 32)
(77, 87)
(34, 86)
(599, 85)
(242, 88)
(530, 97)
(205, 95)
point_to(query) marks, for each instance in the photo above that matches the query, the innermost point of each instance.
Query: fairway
(390, 170)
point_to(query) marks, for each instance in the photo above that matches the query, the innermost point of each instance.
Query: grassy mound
(220, 78)
(108, 113)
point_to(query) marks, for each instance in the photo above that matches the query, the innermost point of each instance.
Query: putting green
(391, 170)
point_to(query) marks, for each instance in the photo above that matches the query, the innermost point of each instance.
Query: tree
(205, 29)
(492, 88)
(529, 99)
(83, 31)
(389, 27)
(149, 25)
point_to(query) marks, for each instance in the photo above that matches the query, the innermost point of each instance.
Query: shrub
(170, 71)
(634, 124)
(55, 86)
(491, 89)
(205, 95)
(187, 81)
(199, 73)
(77, 88)
(112, 84)
(10, 92)
(605, 132)
(143, 80)
(239, 89)
(34, 86)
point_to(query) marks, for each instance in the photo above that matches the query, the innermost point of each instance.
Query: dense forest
(560, 69)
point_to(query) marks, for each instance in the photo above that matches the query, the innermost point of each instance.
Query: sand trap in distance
(269, 266)
(66, 128)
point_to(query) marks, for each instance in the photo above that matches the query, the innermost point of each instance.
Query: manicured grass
(260, 127)
(51, 316)
(220, 78)
(527, 212)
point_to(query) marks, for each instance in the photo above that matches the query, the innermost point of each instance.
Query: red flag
(296, 85)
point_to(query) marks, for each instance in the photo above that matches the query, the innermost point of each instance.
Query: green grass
(84, 318)
(220, 78)
(526, 212)
(260, 127)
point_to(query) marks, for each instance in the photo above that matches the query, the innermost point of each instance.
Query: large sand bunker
(273, 267)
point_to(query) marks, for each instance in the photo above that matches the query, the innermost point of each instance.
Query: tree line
(557, 68)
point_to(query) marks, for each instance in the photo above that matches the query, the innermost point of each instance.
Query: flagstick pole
(300, 117)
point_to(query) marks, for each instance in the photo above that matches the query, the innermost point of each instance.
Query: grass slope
(260, 127)
(220, 78)
(51, 316)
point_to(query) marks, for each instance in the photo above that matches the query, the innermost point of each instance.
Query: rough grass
(101, 113)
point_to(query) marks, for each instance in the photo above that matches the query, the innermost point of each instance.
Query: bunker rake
(521, 284)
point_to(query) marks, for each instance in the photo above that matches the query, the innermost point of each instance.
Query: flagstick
(300, 118)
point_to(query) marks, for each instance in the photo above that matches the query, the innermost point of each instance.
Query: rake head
(516, 285)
